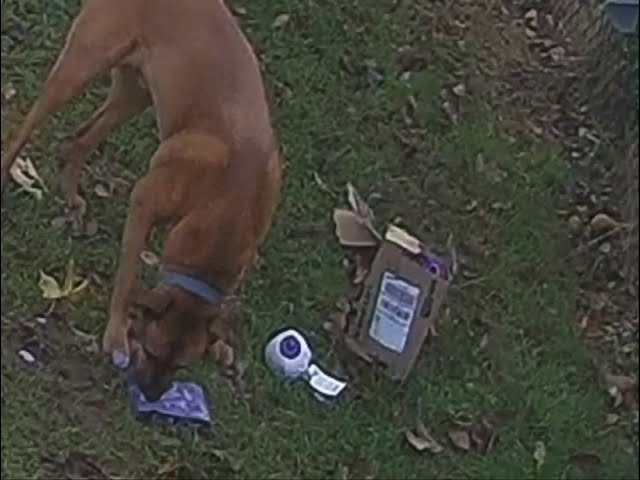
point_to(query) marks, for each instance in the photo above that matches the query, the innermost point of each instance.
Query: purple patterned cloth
(184, 401)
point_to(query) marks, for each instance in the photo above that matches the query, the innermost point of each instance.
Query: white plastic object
(288, 355)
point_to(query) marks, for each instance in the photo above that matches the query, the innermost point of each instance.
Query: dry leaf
(281, 20)
(422, 441)
(49, 286)
(362, 268)
(101, 191)
(460, 439)
(611, 419)
(25, 174)
(484, 341)
(620, 387)
(602, 221)
(425, 434)
(352, 230)
(72, 284)
(459, 90)
(358, 205)
(149, 258)
(539, 455)
(8, 91)
(622, 383)
(240, 11)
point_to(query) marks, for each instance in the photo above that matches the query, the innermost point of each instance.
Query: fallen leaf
(8, 91)
(484, 341)
(617, 396)
(611, 419)
(459, 90)
(72, 285)
(241, 11)
(149, 258)
(460, 439)
(352, 230)
(623, 383)
(451, 113)
(358, 205)
(422, 440)
(539, 455)
(79, 466)
(49, 286)
(362, 267)
(602, 221)
(25, 174)
(101, 191)
(586, 461)
(281, 20)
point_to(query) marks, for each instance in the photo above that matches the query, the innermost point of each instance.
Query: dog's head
(169, 329)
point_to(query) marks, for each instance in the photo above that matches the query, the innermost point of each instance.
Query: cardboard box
(401, 294)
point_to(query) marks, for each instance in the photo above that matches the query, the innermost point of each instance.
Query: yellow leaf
(49, 286)
(69, 278)
(74, 294)
(72, 286)
(25, 174)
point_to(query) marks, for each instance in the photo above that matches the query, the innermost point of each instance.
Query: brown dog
(214, 180)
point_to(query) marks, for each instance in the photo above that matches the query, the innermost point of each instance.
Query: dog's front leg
(139, 223)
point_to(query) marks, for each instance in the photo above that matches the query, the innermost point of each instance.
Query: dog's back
(201, 71)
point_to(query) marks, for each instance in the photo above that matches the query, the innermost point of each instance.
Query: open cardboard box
(402, 291)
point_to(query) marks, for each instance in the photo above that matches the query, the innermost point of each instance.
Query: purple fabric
(184, 401)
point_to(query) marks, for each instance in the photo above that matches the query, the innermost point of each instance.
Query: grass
(341, 124)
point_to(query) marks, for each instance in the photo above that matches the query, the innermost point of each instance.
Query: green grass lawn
(338, 100)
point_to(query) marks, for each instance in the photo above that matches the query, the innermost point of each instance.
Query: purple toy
(183, 402)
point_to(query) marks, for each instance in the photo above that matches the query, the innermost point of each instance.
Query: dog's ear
(153, 301)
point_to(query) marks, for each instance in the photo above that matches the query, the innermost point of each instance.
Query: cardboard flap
(403, 239)
(353, 230)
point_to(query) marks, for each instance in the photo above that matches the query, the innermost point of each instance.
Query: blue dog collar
(193, 285)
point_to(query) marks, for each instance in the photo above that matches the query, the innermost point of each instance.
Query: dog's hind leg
(127, 97)
(100, 36)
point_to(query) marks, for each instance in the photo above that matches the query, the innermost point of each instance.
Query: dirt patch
(64, 362)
